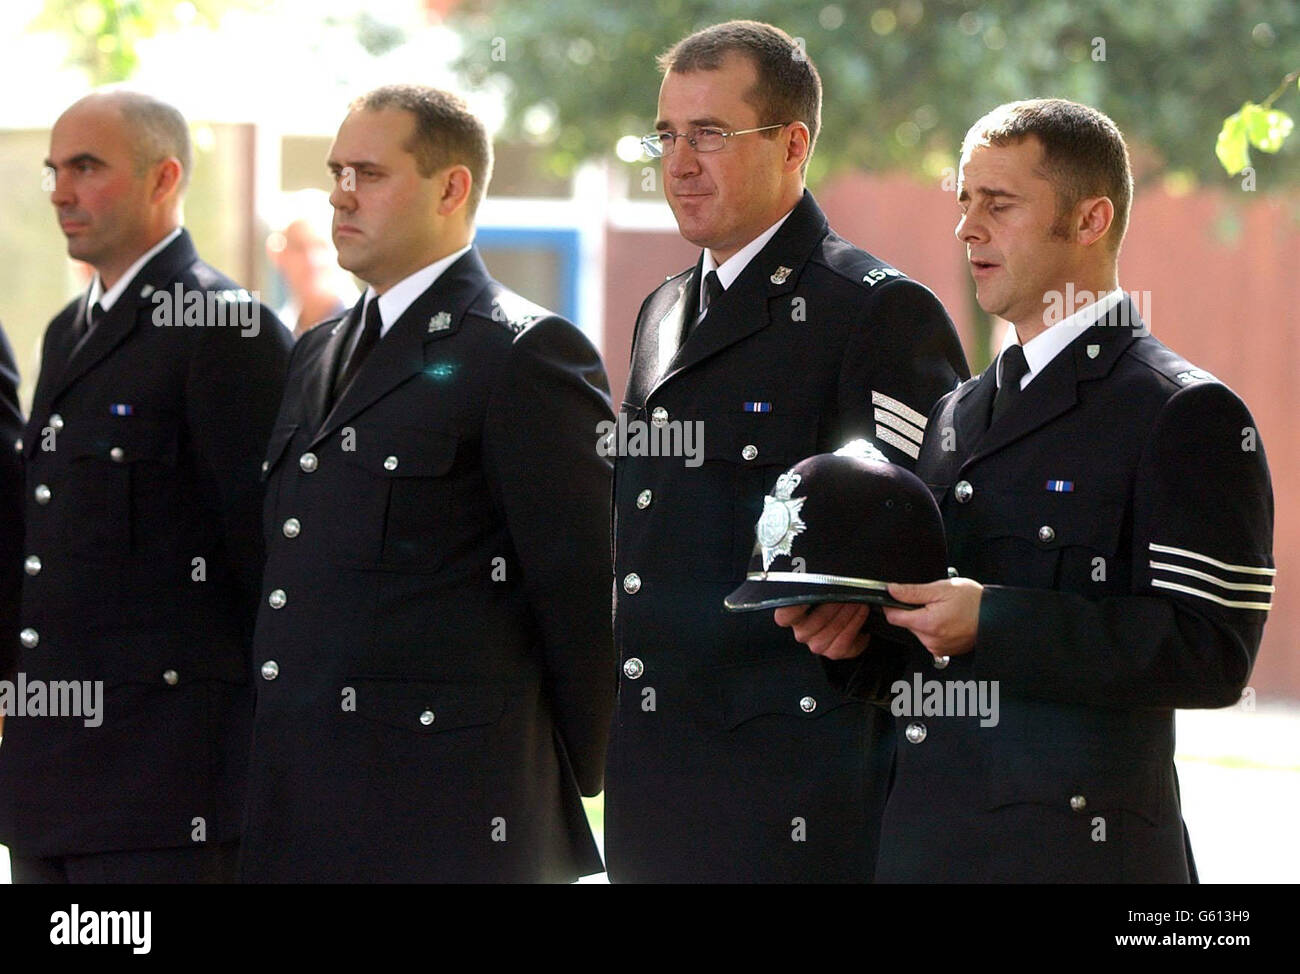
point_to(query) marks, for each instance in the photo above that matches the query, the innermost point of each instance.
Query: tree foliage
(903, 78)
(1260, 125)
(104, 34)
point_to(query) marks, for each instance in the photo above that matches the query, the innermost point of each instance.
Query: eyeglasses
(660, 144)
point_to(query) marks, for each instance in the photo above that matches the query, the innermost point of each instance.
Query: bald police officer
(142, 554)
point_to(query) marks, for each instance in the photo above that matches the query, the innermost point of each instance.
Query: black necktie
(712, 292)
(365, 344)
(1014, 368)
(94, 314)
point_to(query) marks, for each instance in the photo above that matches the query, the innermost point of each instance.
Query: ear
(797, 143)
(166, 180)
(1093, 217)
(456, 185)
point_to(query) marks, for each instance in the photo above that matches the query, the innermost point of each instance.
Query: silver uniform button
(117, 454)
(32, 565)
(307, 462)
(807, 705)
(426, 717)
(643, 499)
(633, 668)
(171, 677)
(915, 732)
(277, 598)
(390, 463)
(266, 465)
(631, 583)
(749, 452)
(18, 446)
(1046, 533)
(952, 572)
(941, 662)
(29, 637)
(42, 494)
(270, 670)
(291, 527)
(659, 416)
(56, 422)
(963, 491)
(1078, 803)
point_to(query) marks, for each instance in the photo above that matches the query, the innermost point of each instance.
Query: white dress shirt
(737, 262)
(109, 298)
(394, 302)
(1047, 344)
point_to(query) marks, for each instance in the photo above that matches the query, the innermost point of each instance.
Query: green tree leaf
(1267, 128)
(1231, 147)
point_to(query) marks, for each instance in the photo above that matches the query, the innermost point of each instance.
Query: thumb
(916, 594)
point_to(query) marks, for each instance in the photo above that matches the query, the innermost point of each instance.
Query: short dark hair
(157, 130)
(1083, 152)
(446, 132)
(788, 87)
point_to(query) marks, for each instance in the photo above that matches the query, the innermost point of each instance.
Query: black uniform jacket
(1121, 516)
(142, 561)
(434, 657)
(11, 507)
(734, 756)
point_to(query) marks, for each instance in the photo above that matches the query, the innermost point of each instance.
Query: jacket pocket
(395, 484)
(1057, 541)
(742, 456)
(109, 461)
(1086, 780)
(422, 502)
(428, 708)
(784, 686)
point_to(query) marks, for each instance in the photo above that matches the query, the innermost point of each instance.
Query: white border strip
(1161, 583)
(1167, 550)
(815, 578)
(1235, 586)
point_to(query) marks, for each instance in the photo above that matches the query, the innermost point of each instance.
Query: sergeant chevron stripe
(885, 435)
(903, 426)
(898, 425)
(896, 407)
(1206, 585)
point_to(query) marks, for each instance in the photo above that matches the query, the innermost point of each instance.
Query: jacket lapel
(400, 353)
(743, 309)
(971, 413)
(121, 319)
(319, 380)
(60, 340)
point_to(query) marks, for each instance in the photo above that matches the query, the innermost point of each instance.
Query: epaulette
(1164, 360)
(856, 264)
(514, 312)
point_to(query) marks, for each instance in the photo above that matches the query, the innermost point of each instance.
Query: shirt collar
(394, 302)
(109, 298)
(737, 262)
(1047, 344)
